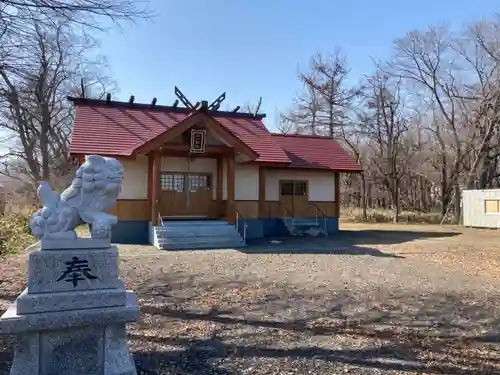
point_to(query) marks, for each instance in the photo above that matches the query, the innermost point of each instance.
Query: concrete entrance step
(197, 234)
(190, 223)
(221, 244)
(199, 239)
(185, 217)
(306, 224)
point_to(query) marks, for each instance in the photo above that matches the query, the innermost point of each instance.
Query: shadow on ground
(240, 327)
(314, 246)
(351, 242)
(228, 327)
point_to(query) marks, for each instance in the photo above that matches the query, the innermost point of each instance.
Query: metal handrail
(318, 210)
(159, 232)
(239, 217)
(287, 211)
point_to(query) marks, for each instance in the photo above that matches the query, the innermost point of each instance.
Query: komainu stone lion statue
(94, 190)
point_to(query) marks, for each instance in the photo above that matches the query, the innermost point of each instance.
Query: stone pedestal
(71, 318)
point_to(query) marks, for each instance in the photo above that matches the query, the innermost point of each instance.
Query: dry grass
(377, 299)
(354, 214)
(15, 234)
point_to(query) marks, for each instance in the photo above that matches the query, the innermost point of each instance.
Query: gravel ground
(377, 299)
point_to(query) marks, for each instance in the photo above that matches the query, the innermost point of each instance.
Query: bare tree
(425, 61)
(329, 99)
(434, 122)
(305, 112)
(478, 50)
(15, 14)
(44, 53)
(386, 124)
(285, 125)
(253, 108)
(35, 116)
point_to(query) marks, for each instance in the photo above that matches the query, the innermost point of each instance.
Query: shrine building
(194, 165)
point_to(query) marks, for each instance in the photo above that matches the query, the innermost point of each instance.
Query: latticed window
(300, 188)
(286, 188)
(172, 182)
(199, 182)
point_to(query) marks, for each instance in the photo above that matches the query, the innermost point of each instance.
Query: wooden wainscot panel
(328, 209)
(305, 210)
(131, 209)
(274, 209)
(249, 209)
(217, 209)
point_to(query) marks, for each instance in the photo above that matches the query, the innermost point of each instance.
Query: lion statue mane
(94, 190)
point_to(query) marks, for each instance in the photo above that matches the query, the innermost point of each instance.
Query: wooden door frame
(294, 182)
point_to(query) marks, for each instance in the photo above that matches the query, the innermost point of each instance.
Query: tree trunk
(363, 197)
(423, 194)
(457, 202)
(445, 199)
(395, 201)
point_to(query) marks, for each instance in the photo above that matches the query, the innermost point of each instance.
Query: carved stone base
(76, 351)
(87, 341)
(71, 318)
(73, 270)
(78, 243)
(29, 303)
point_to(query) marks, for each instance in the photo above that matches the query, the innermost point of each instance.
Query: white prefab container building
(481, 208)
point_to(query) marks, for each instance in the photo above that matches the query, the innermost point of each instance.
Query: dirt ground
(374, 299)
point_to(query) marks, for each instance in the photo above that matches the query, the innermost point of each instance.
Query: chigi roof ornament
(181, 105)
(203, 105)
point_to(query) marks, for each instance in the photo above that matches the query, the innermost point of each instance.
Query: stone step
(223, 244)
(207, 235)
(198, 239)
(189, 223)
(197, 234)
(194, 232)
(306, 223)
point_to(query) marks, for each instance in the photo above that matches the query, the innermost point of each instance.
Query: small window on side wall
(300, 188)
(492, 206)
(286, 188)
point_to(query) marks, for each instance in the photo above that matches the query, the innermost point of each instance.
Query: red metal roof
(119, 130)
(309, 151)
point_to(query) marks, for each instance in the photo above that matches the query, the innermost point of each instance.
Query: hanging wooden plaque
(198, 141)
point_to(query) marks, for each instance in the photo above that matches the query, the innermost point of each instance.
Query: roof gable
(190, 121)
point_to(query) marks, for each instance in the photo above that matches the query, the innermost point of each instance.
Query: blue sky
(254, 48)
